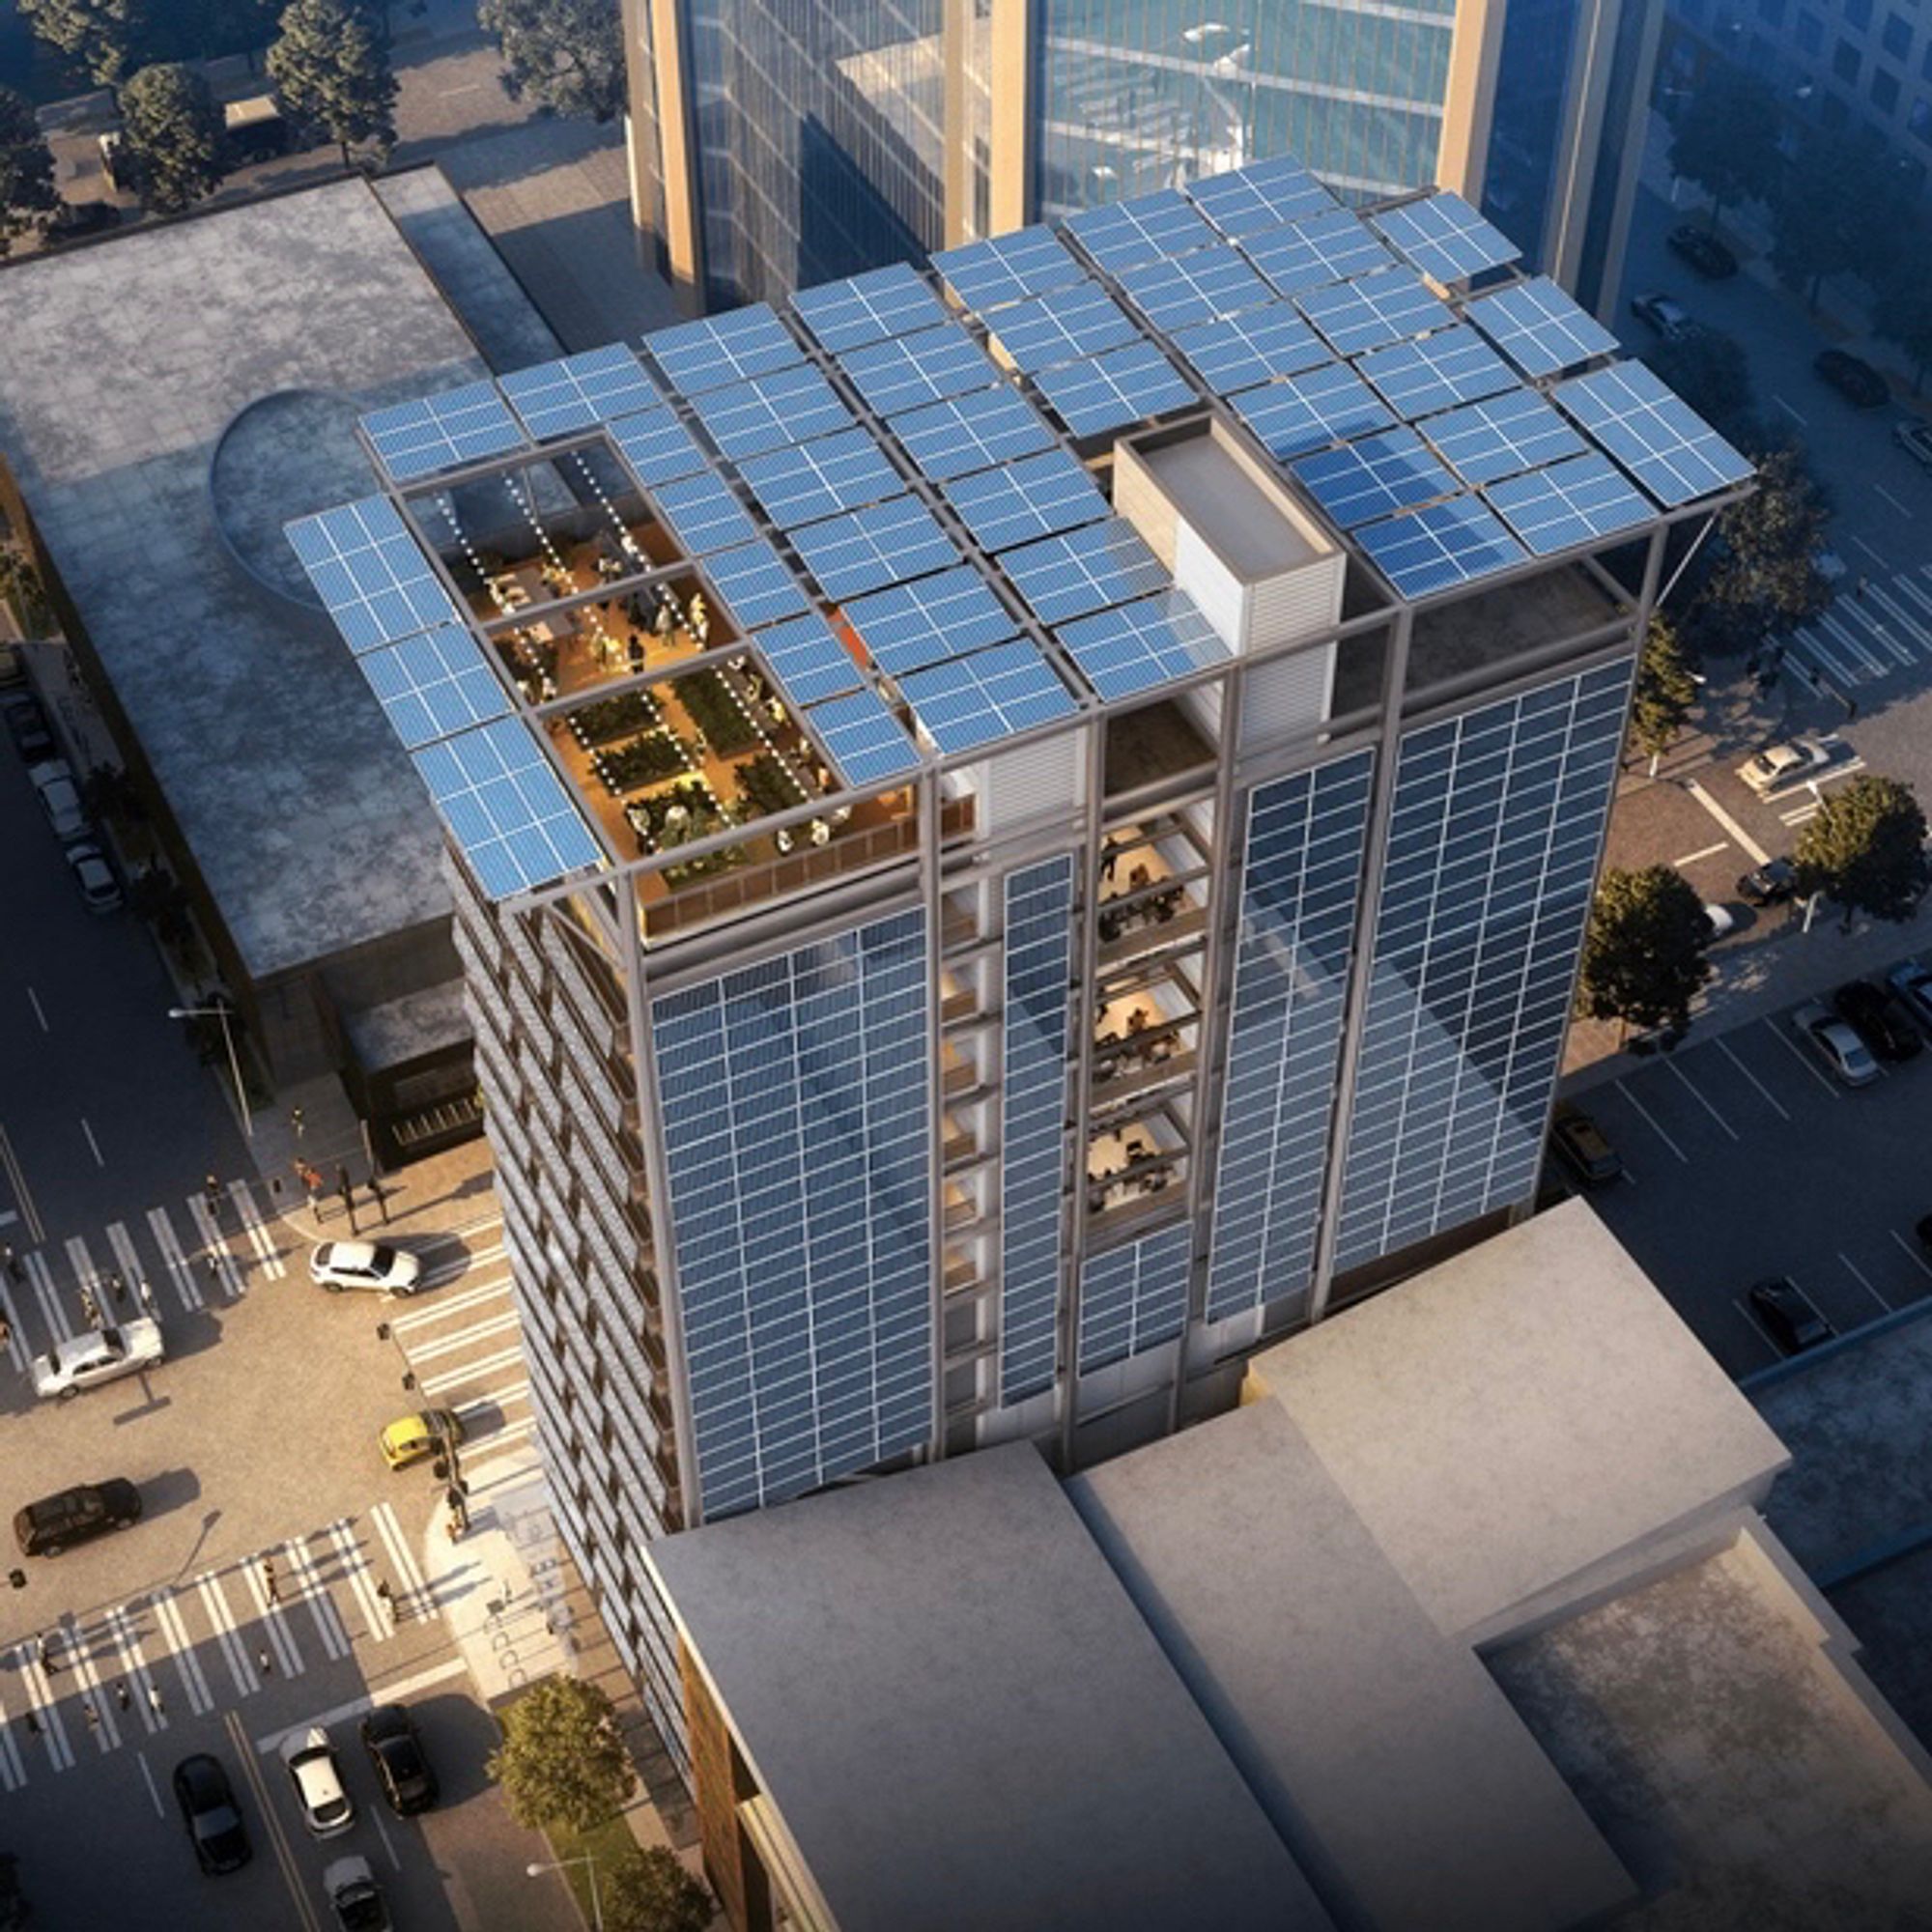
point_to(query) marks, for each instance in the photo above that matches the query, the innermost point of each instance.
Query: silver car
(60, 799)
(1836, 1043)
(1780, 765)
(100, 889)
(327, 1808)
(91, 1359)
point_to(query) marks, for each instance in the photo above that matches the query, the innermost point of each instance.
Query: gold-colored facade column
(1469, 110)
(1010, 70)
(661, 108)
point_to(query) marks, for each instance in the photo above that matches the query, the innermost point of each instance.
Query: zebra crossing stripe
(81, 1262)
(1843, 632)
(80, 1649)
(16, 1348)
(272, 1619)
(356, 1571)
(1859, 616)
(406, 1567)
(1909, 587)
(126, 1256)
(504, 1323)
(126, 1636)
(487, 1365)
(222, 1617)
(13, 1767)
(256, 1229)
(1902, 648)
(40, 1279)
(213, 1245)
(446, 1305)
(320, 1605)
(194, 1680)
(163, 1232)
(40, 1695)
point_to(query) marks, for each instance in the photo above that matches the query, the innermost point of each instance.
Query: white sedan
(1780, 765)
(372, 1264)
(327, 1808)
(89, 1359)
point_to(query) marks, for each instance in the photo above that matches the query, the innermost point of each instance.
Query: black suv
(71, 1515)
(212, 1818)
(1853, 378)
(27, 725)
(1703, 251)
(1879, 1020)
(1794, 1324)
(1770, 884)
(395, 1749)
(1580, 1145)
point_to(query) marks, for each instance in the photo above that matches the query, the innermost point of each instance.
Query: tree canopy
(1864, 848)
(171, 129)
(1665, 689)
(567, 55)
(1643, 956)
(28, 198)
(1840, 206)
(103, 37)
(647, 1890)
(1727, 141)
(561, 1761)
(1903, 310)
(1765, 581)
(331, 74)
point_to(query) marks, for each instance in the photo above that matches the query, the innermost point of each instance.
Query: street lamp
(234, 1064)
(561, 1865)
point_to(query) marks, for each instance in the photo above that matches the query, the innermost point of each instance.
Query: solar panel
(913, 625)
(866, 743)
(721, 348)
(864, 549)
(1658, 437)
(1540, 329)
(1084, 569)
(1142, 645)
(1126, 386)
(1453, 365)
(809, 660)
(1358, 482)
(370, 573)
(1373, 309)
(870, 307)
(555, 398)
(1062, 327)
(986, 275)
(913, 369)
(1201, 286)
(1032, 498)
(979, 699)
(1309, 412)
(1503, 435)
(769, 412)
(1442, 544)
(506, 808)
(1570, 502)
(703, 515)
(660, 448)
(972, 432)
(755, 582)
(1124, 233)
(1444, 236)
(434, 685)
(820, 478)
(1251, 200)
(1322, 249)
(1244, 350)
(433, 433)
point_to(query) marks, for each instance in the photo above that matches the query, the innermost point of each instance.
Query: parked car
(1913, 983)
(1720, 922)
(1836, 1043)
(1875, 1014)
(1787, 1313)
(1915, 440)
(100, 889)
(1780, 765)
(214, 1820)
(401, 1769)
(75, 1514)
(413, 1437)
(372, 1264)
(76, 220)
(1663, 313)
(13, 664)
(327, 1808)
(1853, 378)
(1770, 884)
(60, 799)
(1579, 1144)
(1702, 250)
(97, 1357)
(353, 1896)
(27, 725)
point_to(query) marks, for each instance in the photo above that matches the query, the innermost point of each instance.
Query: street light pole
(234, 1063)
(562, 1864)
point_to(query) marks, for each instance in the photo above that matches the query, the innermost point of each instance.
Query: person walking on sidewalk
(123, 1701)
(272, 1587)
(156, 1702)
(388, 1596)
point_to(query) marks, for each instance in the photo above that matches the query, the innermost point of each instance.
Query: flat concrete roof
(962, 1717)
(1222, 500)
(1518, 1415)
(1394, 1768)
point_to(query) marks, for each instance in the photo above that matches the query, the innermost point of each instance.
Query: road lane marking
(355, 1568)
(222, 1616)
(383, 1833)
(212, 1244)
(33, 1001)
(284, 1859)
(461, 1338)
(1703, 852)
(1727, 824)
(186, 1285)
(1654, 1124)
(272, 1619)
(141, 1758)
(314, 1593)
(134, 1663)
(1858, 1275)
(471, 1370)
(461, 1233)
(1832, 622)
(1776, 1105)
(1790, 411)
(246, 1213)
(1894, 501)
(497, 1399)
(40, 1695)
(1901, 616)
(16, 1346)
(1911, 1254)
(187, 1666)
(40, 1279)
(36, 1231)
(1807, 640)
(1803, 1059)
(271, 1742)
(1877, 556)
(93, 1145)
(126, 1256)
(1860, 615)
(439, 1310)
(1691, 1088)
(13, 1766)
(406, 1568)
(106, 1732)
(468, 1264)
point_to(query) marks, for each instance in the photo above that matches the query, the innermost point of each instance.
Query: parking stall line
(1893, 501)
(314, 1593)
(273, 1620)
(1725, 823)
(355, 1568)
(1650, 1119)
(80, 1653)
(222, 1616)
(406, 1567)
(252, 1225)
(470, 1372)
(1858, 1275)
(176, 1262)
(212, 1244)
(187, 1666)
(1771, 1099)
(40, 1279)
(134, 1666)
(1791, 1048)
(1696, 1094)
(1703, 852)
(1911, 1254)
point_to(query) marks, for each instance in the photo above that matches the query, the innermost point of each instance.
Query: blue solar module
(972, 432)
(986, 275)
(1245, 351)
(1453, 365)
(370, 573)
(980, 699)
(1201, 286)
(434, 685)
(1570, 502)
(1384, 306)
(913, 625)
(1503, 435)
(809, 660)
(1658, 437)
(1124, 233)
(703, 515)
(721, 348)
(1032, 498)
(755, 582)
(1540, 329)
(1442, 544)
(660, 448)
(1325, 248)
(506, 808)
(882, 303)
(1311, 410)
(769, 412)
(1084, 569)
(555, 398)
(820, 478)
(1251, 200)
(1126, 386)
(913, 369)
(433, 433)
(866, 743)
(1062, 327)
(1142, 644)
(1358, 482)
(1444, 236)
(864, 549)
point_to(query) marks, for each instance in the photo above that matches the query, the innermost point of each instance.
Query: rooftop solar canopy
(434, 685)
(757, 585)
(866, 742)
(1436, 372)
(1107, 392)
(1202, 287)
(809, 659)
(1670, 449)
(1358, 482)
(970, 702)
(1062, 327)
(986, 275)
(703, 514)
(867, 549)
(912, 625)
(769, 412)
(1540, 329)
(1266, 195)
(1444, 236)
(1124, 233)
(1326, 248)
(440, 431)
(909, 370)
(1246, 350)
(1309, 412)
(972, 432)
(370, 573)
(1503, 435)
(1384, 306)
(820, 478)
(1142, 645)
(1068, 576)
(721, 348)
(658, 447)
(1574, 502)
(555, 398)
(1439, 545)
(1031, 497)
(883, 302)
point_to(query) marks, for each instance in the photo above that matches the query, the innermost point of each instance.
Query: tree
(648, 1890)
(1864, 848)
(565, 54)
(1665, 689)
(1707, 369)
(1643, 956)
(27, 193)
(332, 73)
(561, 1761)
(1838, 206)
(1727, 140)
(103, 36)
(1902, 314)
(1765, 582)
(171, 132)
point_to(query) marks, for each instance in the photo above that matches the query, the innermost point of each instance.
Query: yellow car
(415, 1436)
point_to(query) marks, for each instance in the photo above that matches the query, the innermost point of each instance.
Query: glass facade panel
(1532, 103)
(1133, 1299)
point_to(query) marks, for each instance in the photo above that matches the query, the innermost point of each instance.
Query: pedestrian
(155, 1700)
(272, 1587)
(6, 1258)
(5, 1333)
(123, 1701)
(90, 1309)
(1859, 589)
(118, 1287)
(92, 1716)
(145, 1296)
(50, 1662)
(263, 1664)
(33, 1725)
(215, 1267)
(452, 1525)
(212, 1187)
(295, 1122)
(388, 1596)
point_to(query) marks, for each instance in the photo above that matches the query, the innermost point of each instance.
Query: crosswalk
(1869, 634)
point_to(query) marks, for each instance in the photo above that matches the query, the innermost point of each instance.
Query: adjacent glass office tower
(779, 145)
(1014, 832)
